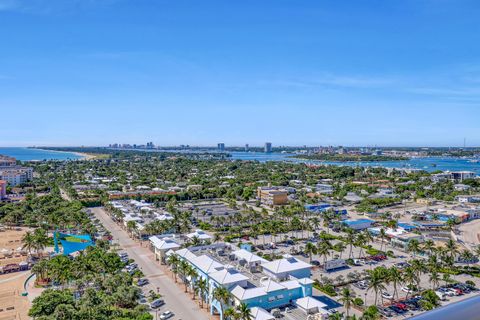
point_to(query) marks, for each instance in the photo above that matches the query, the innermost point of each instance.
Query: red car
(401, 306)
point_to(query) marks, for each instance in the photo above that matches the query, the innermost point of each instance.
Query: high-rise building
(268, 147)
(221, 147)
(247, 148)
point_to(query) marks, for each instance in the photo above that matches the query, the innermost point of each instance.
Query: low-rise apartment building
(261, 285)
(16, 175)
(272, 196)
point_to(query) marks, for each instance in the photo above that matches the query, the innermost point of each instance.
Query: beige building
(272, 196)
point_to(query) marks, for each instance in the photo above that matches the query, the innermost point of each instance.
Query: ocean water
(27, 154)
(427, 164)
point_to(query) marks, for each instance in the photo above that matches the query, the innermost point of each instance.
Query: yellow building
(272, 196)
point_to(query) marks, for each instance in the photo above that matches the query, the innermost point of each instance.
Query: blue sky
(294, 72)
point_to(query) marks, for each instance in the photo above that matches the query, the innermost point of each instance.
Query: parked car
(441, 295)
(358, 262)
(385, 312)
(387, 295)
(166, 315)
(157, 304)
(315, 263)
(402, 306)
(397, 310)
(142, 282)
(407, 289)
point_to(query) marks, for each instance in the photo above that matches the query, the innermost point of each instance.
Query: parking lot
(205, 211)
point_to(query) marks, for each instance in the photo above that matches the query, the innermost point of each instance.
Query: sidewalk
(176, 300)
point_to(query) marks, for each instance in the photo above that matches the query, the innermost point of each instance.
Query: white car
(407, 290)
(387, 295)
(442, 296)
(166, 315)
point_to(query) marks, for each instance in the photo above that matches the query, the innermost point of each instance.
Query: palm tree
(192, 273)
(336, 316)
(350, 241)
(229, 313)
(131, 227)
(360, 242)
(414, 246)
(410, 277)
(477, 251)
(446, 278)
(174, 261)
(395, 278)
(451, 224)
(323, 249)
(184, 268)
(382, 235)
(40, 270)
(29, 242)
(202, 287)
(452, 247)
(41, 239)
(222, 295)
(429, 246)
(339, 247)
(467, 256)
(244, 312)
(434, 279)
(376, 282)
(310, 249)
(347, 299)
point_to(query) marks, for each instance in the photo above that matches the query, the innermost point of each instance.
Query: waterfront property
(12, 173)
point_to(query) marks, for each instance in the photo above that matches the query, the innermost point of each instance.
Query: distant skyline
(305, 72)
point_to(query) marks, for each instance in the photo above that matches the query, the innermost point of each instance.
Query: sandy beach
(86, 156)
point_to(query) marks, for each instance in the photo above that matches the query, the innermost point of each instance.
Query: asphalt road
(176, 300)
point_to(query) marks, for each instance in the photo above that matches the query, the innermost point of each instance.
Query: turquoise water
(444, 164)
(427, 164)
(27, 154)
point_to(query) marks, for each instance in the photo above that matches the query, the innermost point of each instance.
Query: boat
(433, 164)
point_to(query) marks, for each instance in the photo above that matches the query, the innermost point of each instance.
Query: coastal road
(176, 300)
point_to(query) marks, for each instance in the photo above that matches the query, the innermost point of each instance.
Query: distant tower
(268, 147)
(221, 147)
(247, 148)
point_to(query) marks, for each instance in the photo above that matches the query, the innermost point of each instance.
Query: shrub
(470, 283)
(373, 251)
(358, 302)
(327, 289)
